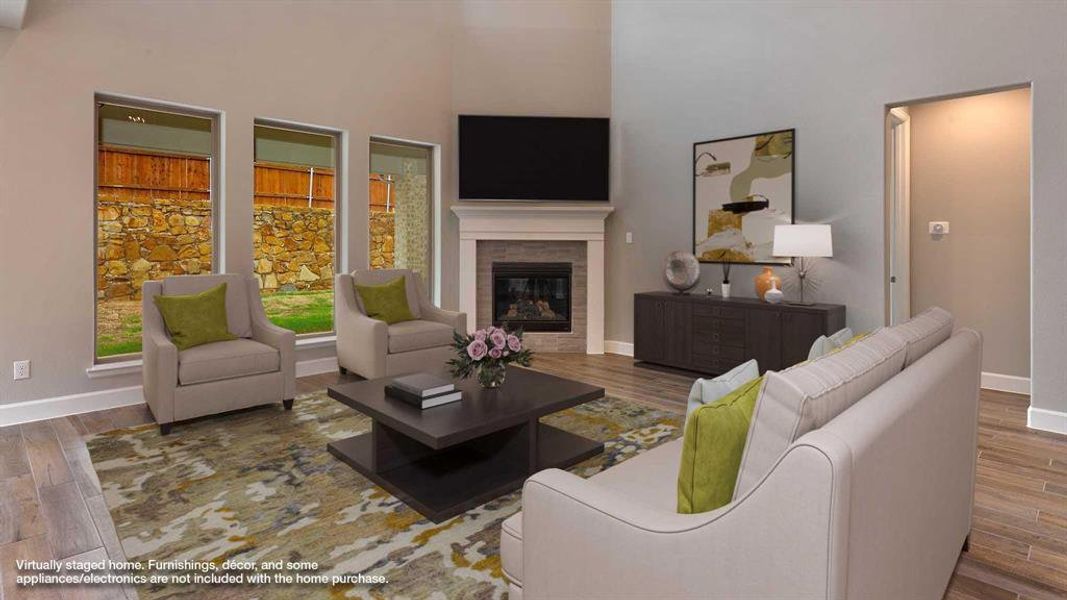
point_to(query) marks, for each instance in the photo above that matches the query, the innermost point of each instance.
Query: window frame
(433, 187)
(215, 192)
(340, 194)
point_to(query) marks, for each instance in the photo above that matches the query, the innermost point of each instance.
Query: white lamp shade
(803, 240)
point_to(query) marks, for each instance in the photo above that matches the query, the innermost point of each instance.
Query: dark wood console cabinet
(710, 335)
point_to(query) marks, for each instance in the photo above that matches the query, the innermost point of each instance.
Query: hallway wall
(970, 165)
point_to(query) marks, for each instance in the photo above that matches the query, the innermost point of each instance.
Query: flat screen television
(533, 158)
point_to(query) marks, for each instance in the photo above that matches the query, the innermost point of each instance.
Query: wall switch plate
(938, 227)
(629, 237)
(21, 369)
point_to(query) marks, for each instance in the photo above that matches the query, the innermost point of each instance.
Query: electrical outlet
(22, 369)
(629, 237)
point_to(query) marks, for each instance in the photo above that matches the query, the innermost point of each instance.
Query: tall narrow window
(295, 221)
(154, 211)
(401, 208)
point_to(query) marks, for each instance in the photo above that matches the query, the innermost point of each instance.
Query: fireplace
(532, 296)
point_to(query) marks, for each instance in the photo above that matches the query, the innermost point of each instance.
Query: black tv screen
(533, 158)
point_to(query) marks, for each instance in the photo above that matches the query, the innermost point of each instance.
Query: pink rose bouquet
(487, 352)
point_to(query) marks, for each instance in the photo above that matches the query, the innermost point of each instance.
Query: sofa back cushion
(238, 317)
(807, 396)
(924, 332)
(382, 276)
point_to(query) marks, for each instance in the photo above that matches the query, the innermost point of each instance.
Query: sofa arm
(455, 320)
(783, 539)
(280, 338)
(362, 342)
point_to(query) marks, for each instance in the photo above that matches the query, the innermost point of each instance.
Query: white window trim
(120, 363)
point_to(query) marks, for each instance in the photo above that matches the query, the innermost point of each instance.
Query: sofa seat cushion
(417, 335)
(650, 478)
(511, 548)
(924, 332)
(226, 360)
(805, 397)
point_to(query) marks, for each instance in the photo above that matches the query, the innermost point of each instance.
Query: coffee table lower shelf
(444, 483)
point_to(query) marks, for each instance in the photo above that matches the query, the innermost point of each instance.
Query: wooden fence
(128, 174)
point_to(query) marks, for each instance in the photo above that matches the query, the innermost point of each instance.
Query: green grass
(303, 312)
(119, 322)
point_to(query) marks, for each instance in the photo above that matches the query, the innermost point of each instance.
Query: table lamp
(800, 242)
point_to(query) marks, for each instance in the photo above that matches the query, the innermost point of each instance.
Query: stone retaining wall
(382, 240)
(140, 241)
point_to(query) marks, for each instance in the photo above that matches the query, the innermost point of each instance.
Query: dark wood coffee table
(448, 459)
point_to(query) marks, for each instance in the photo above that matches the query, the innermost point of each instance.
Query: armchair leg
(164, 429)
(343, 370)
(288, 404)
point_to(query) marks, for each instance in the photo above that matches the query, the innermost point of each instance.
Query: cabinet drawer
(703, 325)
(723, 312)
(719, 337)
(706, 351)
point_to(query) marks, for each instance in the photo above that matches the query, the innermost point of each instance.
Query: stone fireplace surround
(536, 232)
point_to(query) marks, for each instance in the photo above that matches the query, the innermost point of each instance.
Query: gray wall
(313, 62)
(970, 165)
(685, 72)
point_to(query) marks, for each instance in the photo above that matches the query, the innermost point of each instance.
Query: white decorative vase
(773, 295)
(725, 290)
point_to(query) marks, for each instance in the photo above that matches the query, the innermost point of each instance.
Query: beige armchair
(259, 367)
(372, 348)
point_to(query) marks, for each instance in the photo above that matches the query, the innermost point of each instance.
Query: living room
(155, 151)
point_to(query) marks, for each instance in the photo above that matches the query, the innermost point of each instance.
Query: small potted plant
(488, 352)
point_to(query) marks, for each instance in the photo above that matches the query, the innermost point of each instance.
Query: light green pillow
(715, 437)
(197, 318)
(386, 302)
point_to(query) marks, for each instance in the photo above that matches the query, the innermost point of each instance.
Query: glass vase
(492, 376)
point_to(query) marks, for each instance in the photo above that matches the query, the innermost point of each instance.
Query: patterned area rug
(260, 486)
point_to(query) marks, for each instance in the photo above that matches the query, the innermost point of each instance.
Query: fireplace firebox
(532, 296)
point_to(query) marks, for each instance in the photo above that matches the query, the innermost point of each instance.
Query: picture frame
(742, 187)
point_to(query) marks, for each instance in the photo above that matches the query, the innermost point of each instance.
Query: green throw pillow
(715, 437)
(386, 302)
(197, 318)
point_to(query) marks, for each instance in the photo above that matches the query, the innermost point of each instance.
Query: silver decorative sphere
(682, 270)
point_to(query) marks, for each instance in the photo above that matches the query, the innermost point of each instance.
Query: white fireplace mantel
(559, 222)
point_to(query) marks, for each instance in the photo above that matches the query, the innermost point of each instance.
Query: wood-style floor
(51, 504)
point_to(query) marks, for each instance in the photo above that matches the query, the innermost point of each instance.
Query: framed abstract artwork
(742, 187)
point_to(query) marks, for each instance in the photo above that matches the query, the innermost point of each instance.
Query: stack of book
(423, 390)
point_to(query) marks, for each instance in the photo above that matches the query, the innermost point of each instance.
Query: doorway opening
(958, 220)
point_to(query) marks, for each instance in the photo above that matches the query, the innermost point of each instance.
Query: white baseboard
(75, 404)
(316, 366)
(615, 347)
(1047, 420)
(1005, 383)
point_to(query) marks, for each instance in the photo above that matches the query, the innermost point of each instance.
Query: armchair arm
(362, 342)
(454, 319)
(584, 540)
(159, 370)
(284, 340)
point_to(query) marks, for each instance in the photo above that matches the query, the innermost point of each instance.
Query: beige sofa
(868, 497)
(257, 368)
(372, 348)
